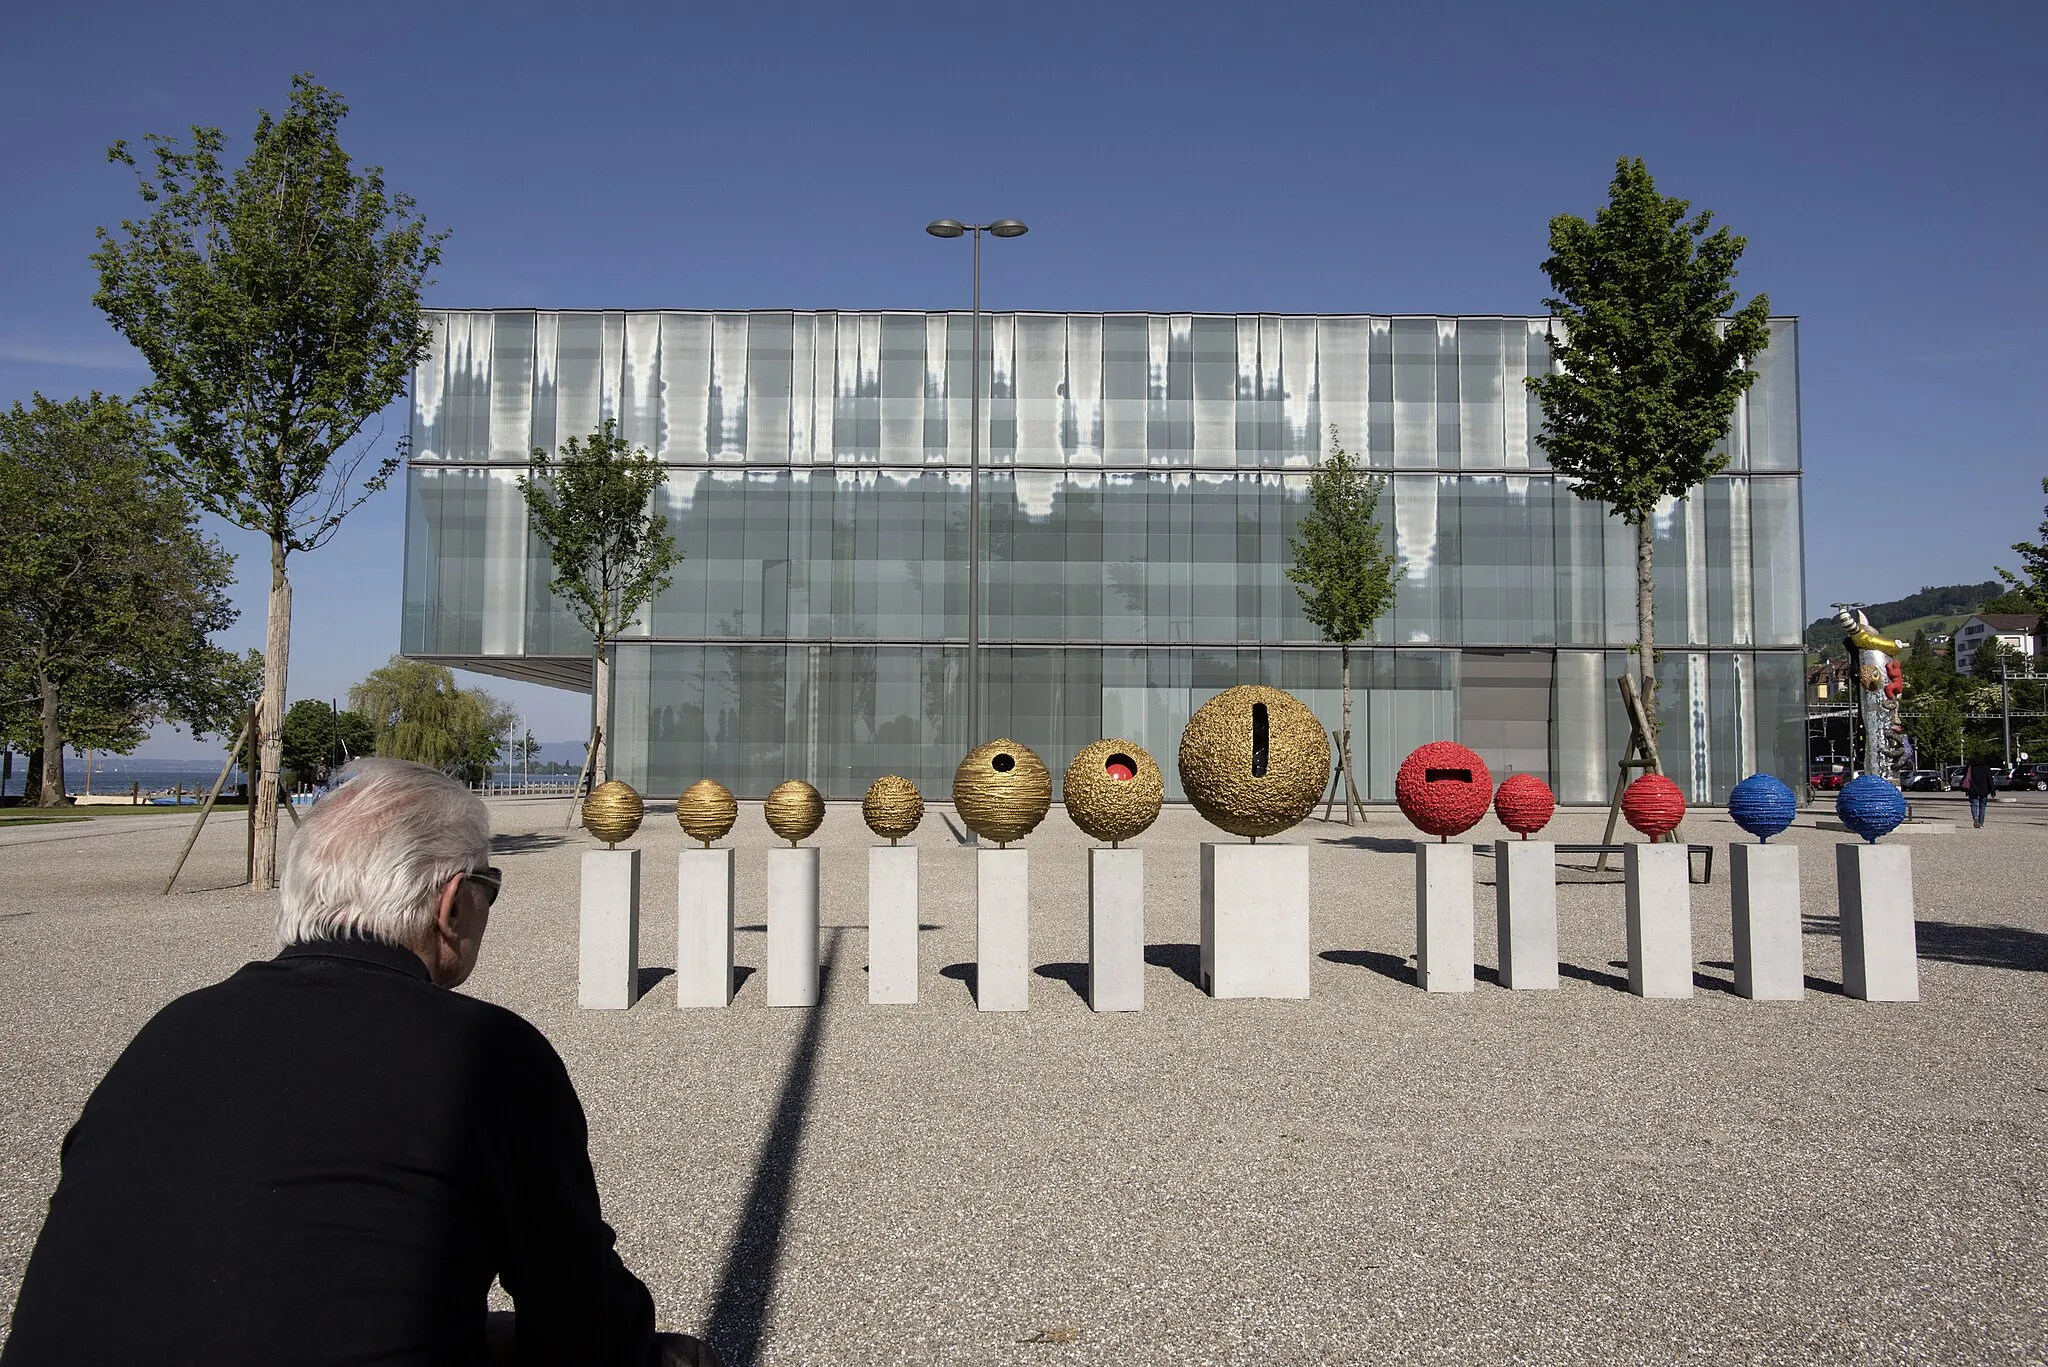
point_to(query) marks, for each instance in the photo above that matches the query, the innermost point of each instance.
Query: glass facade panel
(1142, 476)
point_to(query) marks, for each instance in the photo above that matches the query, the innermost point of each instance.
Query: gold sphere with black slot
(1253, 760)
(1113, 790)
(1002, 791)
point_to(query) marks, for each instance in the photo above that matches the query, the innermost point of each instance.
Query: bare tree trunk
(1646, 620)
(1350, 788)
(277, 642)
(600, 757)
(51, 792)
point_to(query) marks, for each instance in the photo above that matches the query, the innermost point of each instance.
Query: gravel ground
(1373, 1175)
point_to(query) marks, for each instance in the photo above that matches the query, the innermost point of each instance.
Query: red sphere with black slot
(1443, 788)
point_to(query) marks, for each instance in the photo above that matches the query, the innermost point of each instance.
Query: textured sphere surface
(1443, 788)
(794, 810)
(1245, 787)
(1002, 791)
(1870, 807)
(893, 807)
(1113, 789)
(706, 810)
(1524, 803)
(1653, 805)
(612, 812)
(1762, 805)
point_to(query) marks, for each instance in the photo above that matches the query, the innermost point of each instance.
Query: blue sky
(1884, 160)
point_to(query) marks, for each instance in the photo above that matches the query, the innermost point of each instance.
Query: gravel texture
(1373, 1175)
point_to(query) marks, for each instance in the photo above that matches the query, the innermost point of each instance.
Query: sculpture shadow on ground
(525, 844)
(648, 979)
(1379, 844)
(753, 1257)
(1813, 984)
(1072, 974)
(1386, 965)
(2012, 947)
(1184, 960)
(1593, 975)
(965, 973)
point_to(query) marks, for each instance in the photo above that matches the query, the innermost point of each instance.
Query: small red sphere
(1443, 788)
(1653, 805)
(1524, 804)
(1120, 771)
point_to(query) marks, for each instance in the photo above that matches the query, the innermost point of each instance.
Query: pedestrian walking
(1978, 785)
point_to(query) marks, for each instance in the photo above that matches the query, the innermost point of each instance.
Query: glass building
(1140, 477)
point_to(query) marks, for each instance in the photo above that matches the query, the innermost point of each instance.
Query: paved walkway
(1374, 1175)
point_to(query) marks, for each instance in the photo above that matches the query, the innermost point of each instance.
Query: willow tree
(591, 503)
(1650, 363)
(278, 306)
(1344, 572)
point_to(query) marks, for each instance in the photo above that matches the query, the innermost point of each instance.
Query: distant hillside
(1948, 601)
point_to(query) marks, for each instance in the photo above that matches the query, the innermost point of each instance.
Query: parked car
(1923, 781)
(1952, 776)
(2034, 776)
(1827, 778)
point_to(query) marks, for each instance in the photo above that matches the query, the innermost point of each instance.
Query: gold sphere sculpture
(794, 810)
(1002, 791)
(1113, 790)
(612, 812)
(893, 807)
(706, 810)
(1253, 760)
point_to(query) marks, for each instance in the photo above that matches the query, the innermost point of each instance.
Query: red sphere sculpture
(1443, 788)
(1653, 805)
(1524, 804)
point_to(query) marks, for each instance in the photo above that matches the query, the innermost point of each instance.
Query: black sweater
(326, 1158)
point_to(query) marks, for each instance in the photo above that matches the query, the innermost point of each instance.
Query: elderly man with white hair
(329, 1157)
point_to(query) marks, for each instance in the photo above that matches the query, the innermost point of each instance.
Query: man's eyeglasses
(489, 881)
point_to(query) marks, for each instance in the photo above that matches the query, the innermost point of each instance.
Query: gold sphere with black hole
(1113, 790)
(612, 812)
(892, 807)
(1002, 791)
(1254, 760)
(706, 810)
(794, 810)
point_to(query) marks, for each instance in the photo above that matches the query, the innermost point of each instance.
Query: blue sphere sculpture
(1762, 805)
(1870, 807)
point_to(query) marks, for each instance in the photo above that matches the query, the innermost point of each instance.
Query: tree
(278, 307)
(416, 711)
(612, 553)
(1936, 725)
(1344, 571)
(318, 740)
(2034, 561)
(108, 589)
(1650, 364)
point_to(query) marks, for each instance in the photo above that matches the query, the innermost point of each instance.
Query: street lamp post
(950, 228)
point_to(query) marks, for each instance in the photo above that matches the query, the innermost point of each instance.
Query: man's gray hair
(371, 857)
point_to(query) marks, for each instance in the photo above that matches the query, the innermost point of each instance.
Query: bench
(1706, 873)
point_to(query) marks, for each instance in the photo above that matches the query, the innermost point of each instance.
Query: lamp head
(945, 227)
(1007, 227)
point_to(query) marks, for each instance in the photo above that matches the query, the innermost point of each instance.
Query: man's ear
(448, 911)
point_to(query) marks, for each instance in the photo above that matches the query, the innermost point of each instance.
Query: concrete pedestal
(1659, 901)
(892, 925)
(704, 916)
(1770, 936)
(1116, 930)
(1880, 945)
(1002, 930)
(1525, 912)
(1443, 917)
(608, 936)
(1255, 920)
(793, 927)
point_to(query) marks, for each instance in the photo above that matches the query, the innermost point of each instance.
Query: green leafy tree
(318, 740)
(1936, 726)
(417, 711)
(591, 504)
(108, 589)
(2032, 583)
(278, 306)
(1650, 365)
(1344, 571)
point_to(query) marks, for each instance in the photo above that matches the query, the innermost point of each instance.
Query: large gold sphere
(794, 810)
(1113, 790)
(706, 810)
(893, 807)
(612, 812)
(1002, 791)
(1253, 760)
